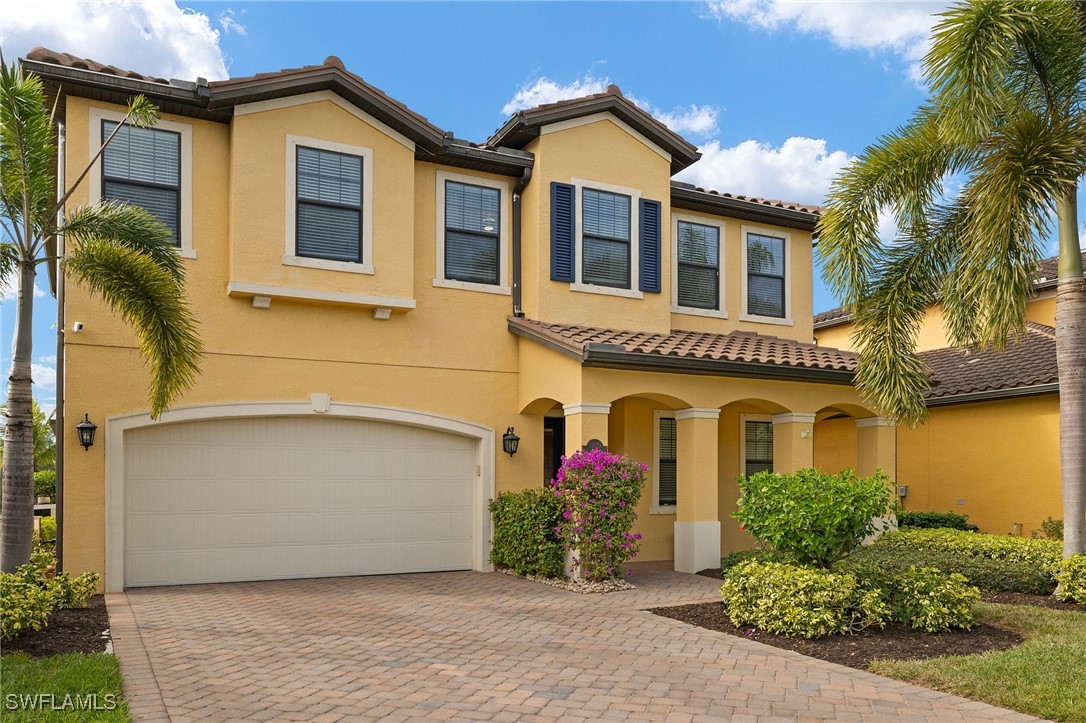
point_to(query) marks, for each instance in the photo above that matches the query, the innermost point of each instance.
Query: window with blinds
(329, 198)
(666, 470)
(472, 235)
(699, 266)
(765, 276)
(757, 447)
(142, 166)
(605, 236)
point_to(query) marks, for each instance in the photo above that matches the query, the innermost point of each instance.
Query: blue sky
(777, 94)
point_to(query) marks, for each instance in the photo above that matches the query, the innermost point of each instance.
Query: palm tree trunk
(1071, 358)
(17, 514)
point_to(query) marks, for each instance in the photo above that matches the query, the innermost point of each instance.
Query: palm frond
(149, 299)
(128, 225)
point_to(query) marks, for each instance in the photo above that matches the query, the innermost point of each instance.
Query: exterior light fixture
(510, 442)
(86, 432)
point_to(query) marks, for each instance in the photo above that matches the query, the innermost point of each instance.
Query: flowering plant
(598, 491)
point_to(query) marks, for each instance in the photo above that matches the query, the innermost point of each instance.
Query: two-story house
(381, 301)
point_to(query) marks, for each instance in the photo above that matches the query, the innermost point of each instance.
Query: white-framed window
(767, 274)
(472, 233)
(329, 205)
(606, 219)
(697, 266)
(755, 443)
(665, 451)
(148, 167)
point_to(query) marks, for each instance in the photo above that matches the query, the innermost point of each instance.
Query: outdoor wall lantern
(510, 442)
(86, 432)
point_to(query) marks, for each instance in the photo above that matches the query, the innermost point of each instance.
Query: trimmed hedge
(932, 520)
(761, 554)
(525, 533)
(45, 483)
(1071, 577)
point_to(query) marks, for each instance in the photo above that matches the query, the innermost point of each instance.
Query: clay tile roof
(737, 346)
(789, 205)
(45, 55)
(832, 317)
(1028, 361)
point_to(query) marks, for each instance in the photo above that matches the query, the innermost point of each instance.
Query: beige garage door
(289, 497)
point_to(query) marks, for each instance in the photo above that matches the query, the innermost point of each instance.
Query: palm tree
(1006, 115)
(45, 443)
(118, 252)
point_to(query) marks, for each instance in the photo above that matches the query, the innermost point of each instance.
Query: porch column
(697, 521)
(876, 447)
(585, 421)
(793, 441)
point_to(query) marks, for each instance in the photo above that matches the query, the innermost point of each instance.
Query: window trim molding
(722, 312)
(656, 508)
(291, 182)
(578, 284)
(743, 419)
(504, 195)
(187, 249)
(745, 273)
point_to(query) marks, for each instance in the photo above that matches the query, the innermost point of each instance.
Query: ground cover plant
(34, 590)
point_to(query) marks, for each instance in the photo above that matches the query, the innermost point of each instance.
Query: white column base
(697, 546)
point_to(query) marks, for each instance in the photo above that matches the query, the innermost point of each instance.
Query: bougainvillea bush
(599, 491)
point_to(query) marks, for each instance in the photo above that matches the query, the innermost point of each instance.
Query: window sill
(694, 311)
(662, 510)
(606, 291)
(328, 265)
(186, 253)
(767, 320)
(471, 286)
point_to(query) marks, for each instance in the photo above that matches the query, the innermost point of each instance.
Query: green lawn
(74, 674)
(1044, 676)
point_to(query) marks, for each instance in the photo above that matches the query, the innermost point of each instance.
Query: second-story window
(698, 270)
(605, 233)
(329, 211)
(472, 233)
(766, 270)
(142, 166)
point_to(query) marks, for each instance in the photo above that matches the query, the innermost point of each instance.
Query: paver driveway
(475, 646)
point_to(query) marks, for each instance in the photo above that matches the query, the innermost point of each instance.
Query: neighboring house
(990, 447)
(380, 301)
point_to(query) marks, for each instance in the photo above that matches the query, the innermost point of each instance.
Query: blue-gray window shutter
(649, 231)
(562, 234)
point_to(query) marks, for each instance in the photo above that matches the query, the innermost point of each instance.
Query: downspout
(524, 178)
(59, 413)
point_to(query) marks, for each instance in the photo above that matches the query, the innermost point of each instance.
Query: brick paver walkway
(475, 646)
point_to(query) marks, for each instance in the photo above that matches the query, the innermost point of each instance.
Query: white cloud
(229, 24)
(800, 170)
(151, 36)
(9, 290)
(896, 26)
(48, 359)
(698, 120)
(44, 376)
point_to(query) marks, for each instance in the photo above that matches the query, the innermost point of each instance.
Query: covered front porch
(766, 404)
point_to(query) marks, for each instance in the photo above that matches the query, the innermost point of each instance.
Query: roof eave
(994, 394)
(691, 199)
(502, 161)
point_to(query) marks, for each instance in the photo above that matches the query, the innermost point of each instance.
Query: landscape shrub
(925, 598)
(47, 529)
(45, 483)
(816, 517)
(525, 534)
(761, 554)
(799, 601)
(1071, 578)
(1050, 530)
(34, 590)
(1042, 554)
(598, 492)
(930, 520)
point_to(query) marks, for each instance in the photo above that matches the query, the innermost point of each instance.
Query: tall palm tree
(1006, 116)
(118, 252)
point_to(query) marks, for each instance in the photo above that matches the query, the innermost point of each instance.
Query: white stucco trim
(116, 426)
(579, 284)
(718, 313)
(875, 422)
(598, 117)
(94, 177)
(245, 288)
(587, 408)
(746, 315)
(697, 413)
(504, 260)
(794, 418)
(697, 546)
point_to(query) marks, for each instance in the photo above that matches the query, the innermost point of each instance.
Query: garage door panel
(268, 498)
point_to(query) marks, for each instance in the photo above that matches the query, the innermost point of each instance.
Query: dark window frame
(600, 237)
(680, 264)
(783, 276)
(660, 459)
(360, 208)
(747, 461)
(497, 236)
(144, 184)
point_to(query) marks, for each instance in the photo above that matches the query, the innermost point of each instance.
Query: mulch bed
(895, 641)
(75, 630)
(1041, 601)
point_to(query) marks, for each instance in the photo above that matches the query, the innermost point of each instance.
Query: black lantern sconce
(86, 432)
(510, 442)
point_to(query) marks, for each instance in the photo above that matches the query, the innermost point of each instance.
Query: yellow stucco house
(990, 446)
(381, 301)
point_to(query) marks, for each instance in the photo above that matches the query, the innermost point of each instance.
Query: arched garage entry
(280, 490)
